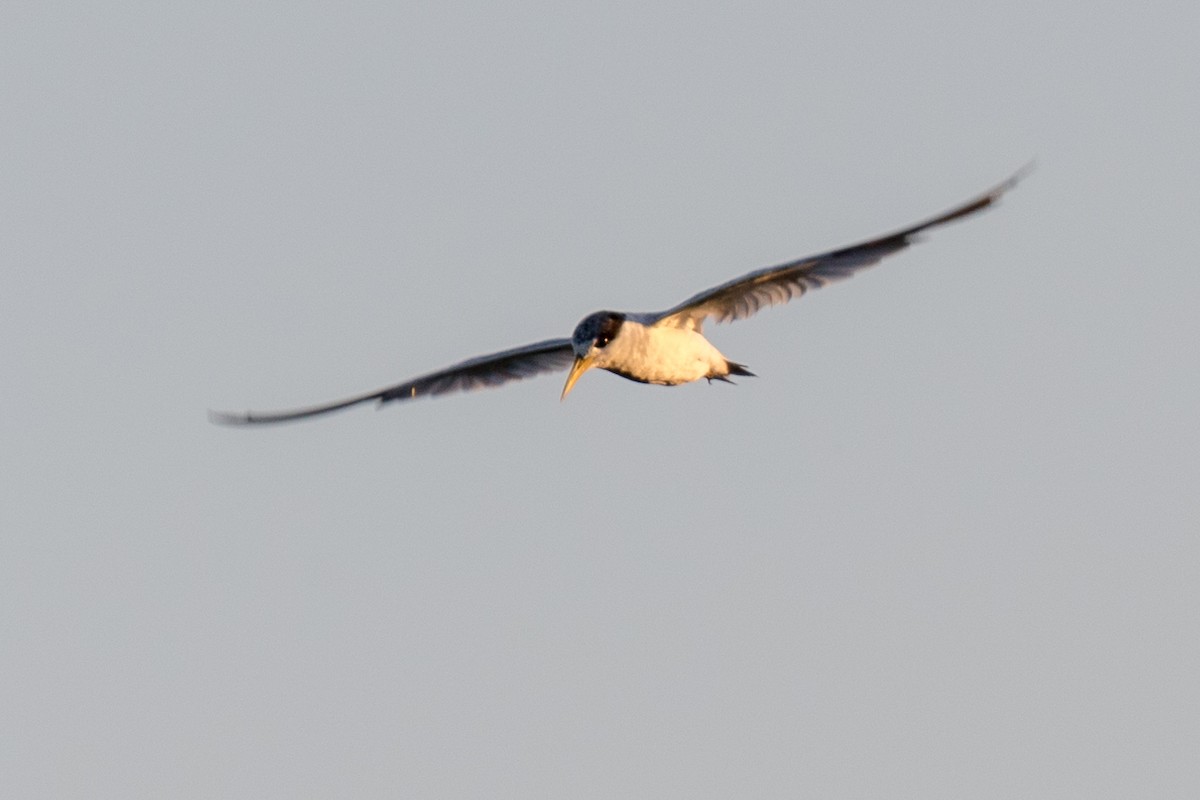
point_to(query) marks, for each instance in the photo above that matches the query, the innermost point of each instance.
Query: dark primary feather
(475, 373)
(744, 296)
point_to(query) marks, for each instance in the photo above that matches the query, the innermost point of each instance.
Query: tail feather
(733, 369)
(738, 369)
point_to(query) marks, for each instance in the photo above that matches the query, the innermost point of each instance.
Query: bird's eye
(602, 341)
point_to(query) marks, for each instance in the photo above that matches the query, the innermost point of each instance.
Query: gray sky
(943, 546)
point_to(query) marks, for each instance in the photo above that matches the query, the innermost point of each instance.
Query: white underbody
(662, 355)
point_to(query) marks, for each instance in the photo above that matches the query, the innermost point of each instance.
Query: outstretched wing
(475, 373)
(744, 296)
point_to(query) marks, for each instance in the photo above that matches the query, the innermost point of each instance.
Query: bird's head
(591, 336)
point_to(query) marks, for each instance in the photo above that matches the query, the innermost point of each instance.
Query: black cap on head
(598, 328)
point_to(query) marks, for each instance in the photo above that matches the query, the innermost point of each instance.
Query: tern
(663, 347)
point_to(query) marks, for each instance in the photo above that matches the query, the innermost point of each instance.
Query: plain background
(944, 546)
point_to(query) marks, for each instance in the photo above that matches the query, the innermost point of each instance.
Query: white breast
(661, 355)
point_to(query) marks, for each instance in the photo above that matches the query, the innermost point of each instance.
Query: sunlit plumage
(666, 347)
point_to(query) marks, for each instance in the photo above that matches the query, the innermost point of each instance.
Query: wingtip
(228, 418)
(1023, 172)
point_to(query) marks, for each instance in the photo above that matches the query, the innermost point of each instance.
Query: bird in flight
(661, 347)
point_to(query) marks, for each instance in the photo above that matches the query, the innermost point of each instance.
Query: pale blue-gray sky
(943, 546)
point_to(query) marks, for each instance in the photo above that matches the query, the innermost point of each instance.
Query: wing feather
(742, 297)
(481, 372)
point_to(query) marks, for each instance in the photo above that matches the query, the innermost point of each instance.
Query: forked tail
(734, 369)
(738, 369)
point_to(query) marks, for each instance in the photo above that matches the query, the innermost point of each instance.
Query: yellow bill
(582, 364)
